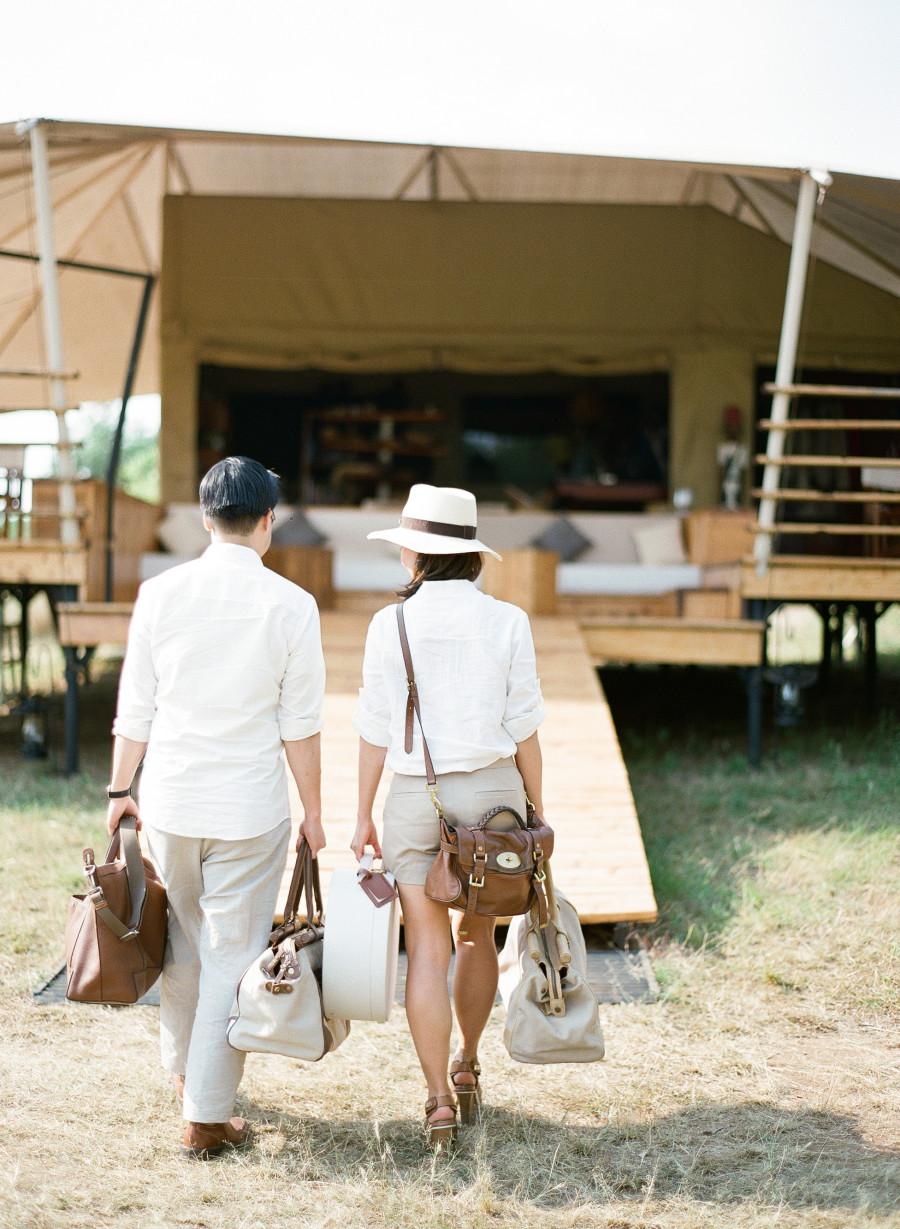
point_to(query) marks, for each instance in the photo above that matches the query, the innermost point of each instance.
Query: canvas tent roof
(108, 182)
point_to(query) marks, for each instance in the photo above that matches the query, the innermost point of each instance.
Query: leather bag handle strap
(304, 882)
(315, 895)
(499, 810)
(412, 702)
(296, 885)
(125, 838)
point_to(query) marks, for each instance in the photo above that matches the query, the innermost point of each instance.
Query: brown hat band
(438, 527)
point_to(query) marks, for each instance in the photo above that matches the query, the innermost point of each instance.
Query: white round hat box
(359, 956)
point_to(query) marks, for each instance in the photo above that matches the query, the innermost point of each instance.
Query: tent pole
(812, 188)
(116, 449)
(40, 171)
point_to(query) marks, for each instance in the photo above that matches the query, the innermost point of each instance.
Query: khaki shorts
(412, 832)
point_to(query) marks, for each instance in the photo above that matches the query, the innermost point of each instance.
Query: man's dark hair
(236, 493)
(465, 566)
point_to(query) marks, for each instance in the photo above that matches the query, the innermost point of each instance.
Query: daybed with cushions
(601, 553)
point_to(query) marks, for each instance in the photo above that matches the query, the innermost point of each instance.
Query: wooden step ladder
(844, 523)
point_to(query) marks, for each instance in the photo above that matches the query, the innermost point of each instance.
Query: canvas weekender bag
(479, 870)
(278, 1006)
(116, 930)
(551, 1011)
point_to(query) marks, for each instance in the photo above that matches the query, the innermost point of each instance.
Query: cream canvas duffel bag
(362, 941)
(551, 1011)
(278, 1005)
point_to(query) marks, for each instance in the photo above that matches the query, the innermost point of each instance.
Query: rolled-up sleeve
(136, 706)
(524, 710)
(372, 719)
(303, 681)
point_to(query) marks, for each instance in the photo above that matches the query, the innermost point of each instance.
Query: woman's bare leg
(427, 934)
(474, 985)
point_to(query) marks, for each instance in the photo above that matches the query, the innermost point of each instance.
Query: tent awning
(108, 182)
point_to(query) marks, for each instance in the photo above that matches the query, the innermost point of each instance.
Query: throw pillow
(296, 530)
(660, 543)
(562, 537)
(181, 531)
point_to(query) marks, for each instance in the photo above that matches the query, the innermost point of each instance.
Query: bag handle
(125, 838)
(304, 881)
(489, 815)
(412, 705)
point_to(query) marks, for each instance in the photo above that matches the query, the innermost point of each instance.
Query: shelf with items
(361, 451)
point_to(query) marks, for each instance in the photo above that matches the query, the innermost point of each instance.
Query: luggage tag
(375, 884)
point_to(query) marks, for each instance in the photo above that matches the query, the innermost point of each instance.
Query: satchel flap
(505, 853)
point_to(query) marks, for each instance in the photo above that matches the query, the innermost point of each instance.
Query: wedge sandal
(468, 1095)
(440, 1133)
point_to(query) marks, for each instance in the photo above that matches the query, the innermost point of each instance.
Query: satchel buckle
(129, 934)
(539, 876)
(476, 883)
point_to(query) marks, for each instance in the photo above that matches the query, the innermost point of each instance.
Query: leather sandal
(468, 1095)
(440, 1133)
(203, 1140)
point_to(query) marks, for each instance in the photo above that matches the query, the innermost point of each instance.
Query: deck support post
(753, 681)
(868, 618)
(812, 187)
(77, 661)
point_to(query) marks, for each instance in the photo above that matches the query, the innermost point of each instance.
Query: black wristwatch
(118, 793)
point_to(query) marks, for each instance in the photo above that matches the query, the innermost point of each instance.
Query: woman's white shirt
(475, 670)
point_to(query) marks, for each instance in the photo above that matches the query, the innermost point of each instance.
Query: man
(223, 671)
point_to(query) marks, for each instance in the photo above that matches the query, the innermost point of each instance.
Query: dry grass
(764, 1090)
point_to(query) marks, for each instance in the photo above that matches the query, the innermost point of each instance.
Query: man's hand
(119, 807)
(314, 833)
(366, 834)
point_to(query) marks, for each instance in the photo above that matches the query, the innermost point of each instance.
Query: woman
(481, 705)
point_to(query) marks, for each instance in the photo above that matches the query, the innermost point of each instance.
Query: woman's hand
(366, 834)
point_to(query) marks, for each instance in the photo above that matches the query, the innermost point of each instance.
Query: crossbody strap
(412, 706)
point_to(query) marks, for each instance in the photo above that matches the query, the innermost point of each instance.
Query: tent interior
(523, 438)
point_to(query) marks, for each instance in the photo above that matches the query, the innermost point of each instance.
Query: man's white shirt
(224, 662)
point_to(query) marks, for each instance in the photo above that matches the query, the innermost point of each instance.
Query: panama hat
(437, 520)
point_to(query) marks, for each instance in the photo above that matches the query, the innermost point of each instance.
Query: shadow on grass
(706, 814)
(720, 1154)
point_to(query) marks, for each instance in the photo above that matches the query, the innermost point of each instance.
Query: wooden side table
(526, 577)
(310, 567)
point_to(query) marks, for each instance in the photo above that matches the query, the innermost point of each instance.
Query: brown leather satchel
(478, 869)
(116, 931)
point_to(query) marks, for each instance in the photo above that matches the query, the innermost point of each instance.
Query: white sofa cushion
(630, 578)
(660, 544)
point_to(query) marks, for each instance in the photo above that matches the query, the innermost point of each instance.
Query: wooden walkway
(599, 859)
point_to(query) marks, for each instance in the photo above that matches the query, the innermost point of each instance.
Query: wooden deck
(599, 859)
(690, 642)
(42, 563)
(823, 578)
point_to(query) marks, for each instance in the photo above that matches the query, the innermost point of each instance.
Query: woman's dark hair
(236, 493)
(443, 567)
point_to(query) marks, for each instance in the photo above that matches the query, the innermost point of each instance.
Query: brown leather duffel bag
(479, 870)
(116, 931)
